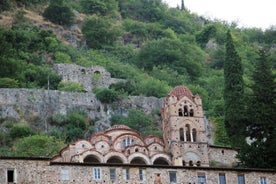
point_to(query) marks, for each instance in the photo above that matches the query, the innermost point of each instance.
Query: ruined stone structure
(121, 155)
(92, 77)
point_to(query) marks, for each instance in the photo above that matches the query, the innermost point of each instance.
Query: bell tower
(184, 130)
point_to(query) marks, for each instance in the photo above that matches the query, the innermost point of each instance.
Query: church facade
(121, 155)
(184, 140)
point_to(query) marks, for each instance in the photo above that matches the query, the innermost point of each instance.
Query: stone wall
(29, 171)
(222, 156)
(91, 77)
(38, 105)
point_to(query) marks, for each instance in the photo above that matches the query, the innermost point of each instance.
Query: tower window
(181, 134)
(194, 134)
(192, 112)
(185, 110)
(180, 113)
(188, 135)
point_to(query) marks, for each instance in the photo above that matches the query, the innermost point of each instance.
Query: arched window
(192, 112)
(181, 134)
(198, 163)
(180, 113)
(194, 134)
(191, 163)
(188, 134)
(127, 142)
(185, 110)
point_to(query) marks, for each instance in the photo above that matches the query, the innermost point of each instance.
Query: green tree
(38, 145)
(261, 114)
(59, 13)
(99, 7)
(107, 95)
(233, 92)
(99, 32)
(139, 121)
(180, 56)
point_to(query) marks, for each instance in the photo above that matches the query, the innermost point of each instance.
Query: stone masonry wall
(91, 77)
(41, 171)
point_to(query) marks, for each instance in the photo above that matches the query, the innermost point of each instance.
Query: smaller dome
(180, 92)
(114, 127)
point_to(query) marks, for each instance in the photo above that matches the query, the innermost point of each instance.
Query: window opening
(172, 176)
(185, 110)
(201, 177)
(126, 174)
(222, 178)
(142, 175)
(192, 112)
(10, 176)
(188, 134)
(198, 163)
(263, 180)
(241, 179)
(112, 172)
(180, 113)
(194, 134)
(191, 163)
(181, 134)
(97, 173)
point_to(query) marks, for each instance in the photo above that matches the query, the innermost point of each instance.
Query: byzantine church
(184, 142)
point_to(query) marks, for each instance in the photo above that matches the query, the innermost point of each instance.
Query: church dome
(181, 91)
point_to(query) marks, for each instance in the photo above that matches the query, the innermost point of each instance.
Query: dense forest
(154, 48)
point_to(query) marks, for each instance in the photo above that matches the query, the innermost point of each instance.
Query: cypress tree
(233, 92)
(182, 5)
(262, 115)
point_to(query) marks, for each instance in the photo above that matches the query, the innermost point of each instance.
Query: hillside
(150, 46)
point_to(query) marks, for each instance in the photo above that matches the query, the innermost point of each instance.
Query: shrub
(20, 130)
(8, 83)
(70, 86)
(107, 95)
(38, 145)
(59, 14)
(5, 5)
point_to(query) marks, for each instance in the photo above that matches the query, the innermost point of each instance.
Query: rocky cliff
(37, 106)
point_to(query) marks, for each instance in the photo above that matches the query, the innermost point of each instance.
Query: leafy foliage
(20, 131)
(38, 145)
(70, 127)
(70, 86)
(99, 32)
(5, 5)
(261, 115)
(65, 14)
(8, 83)
(107, 95)
(99, 7)
(139, 121)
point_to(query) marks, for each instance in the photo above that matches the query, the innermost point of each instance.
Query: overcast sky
(246, 13)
